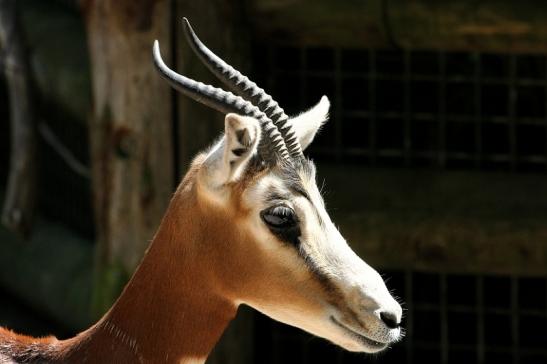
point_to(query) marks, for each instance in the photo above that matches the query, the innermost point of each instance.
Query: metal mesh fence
(419, 108)
(449, 318)
(436, 109)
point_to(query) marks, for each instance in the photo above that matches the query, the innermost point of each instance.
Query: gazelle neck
(172, 310)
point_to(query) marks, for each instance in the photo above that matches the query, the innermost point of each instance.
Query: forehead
(282, 181)
(297, 177)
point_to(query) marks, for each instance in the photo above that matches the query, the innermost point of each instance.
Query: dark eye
(279, 217)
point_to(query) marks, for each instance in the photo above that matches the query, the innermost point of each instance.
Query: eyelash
(283, 223)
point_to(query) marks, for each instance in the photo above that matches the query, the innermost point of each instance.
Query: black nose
(390, 320)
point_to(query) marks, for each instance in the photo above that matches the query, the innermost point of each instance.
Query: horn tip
(156, 54)
(156, 47)
(186, 23)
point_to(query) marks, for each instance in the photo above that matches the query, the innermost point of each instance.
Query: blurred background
(434, 160)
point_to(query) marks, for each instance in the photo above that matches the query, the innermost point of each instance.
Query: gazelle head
(281, 252)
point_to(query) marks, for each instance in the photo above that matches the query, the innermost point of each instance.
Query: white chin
(355, 342)
(361, 347)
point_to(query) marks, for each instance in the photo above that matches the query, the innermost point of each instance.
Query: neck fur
(173, 310)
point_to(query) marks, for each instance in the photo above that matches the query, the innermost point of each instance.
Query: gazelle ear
(229, 158)
(307, 124)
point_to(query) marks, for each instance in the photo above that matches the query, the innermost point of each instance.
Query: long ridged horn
(272, 146)
(243, 86)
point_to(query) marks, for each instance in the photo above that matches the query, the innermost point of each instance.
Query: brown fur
(183, 294)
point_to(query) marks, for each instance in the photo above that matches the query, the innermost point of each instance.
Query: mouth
(368, 342)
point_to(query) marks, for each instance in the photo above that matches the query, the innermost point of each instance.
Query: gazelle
(247, 225)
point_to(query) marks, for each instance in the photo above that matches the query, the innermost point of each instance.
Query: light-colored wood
(496, 26)
(130, 127)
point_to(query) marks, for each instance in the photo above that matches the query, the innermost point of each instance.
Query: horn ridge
(226, 102)
(242, 85)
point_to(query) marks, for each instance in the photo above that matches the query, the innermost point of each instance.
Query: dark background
(434, 159)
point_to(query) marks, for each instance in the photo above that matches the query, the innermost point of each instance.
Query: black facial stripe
(290, 236)
(316, 271)
(303, 193)
(321, 222)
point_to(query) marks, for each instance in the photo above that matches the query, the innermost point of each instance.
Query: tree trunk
(130, 131)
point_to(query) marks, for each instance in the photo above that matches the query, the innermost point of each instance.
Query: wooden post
(130, 131)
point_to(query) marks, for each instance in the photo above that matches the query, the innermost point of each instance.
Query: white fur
(222, 166)
(363, 288)
(307, 124)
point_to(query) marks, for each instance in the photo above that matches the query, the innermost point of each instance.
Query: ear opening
(307, 124)
(242, 134)
(228, 159)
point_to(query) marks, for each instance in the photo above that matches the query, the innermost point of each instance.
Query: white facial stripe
(361, 285)
(359, 292)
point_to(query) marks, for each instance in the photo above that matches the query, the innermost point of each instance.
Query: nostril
(390, 320)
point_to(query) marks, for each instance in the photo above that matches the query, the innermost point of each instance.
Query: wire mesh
(449, 318)
(436, 109)
(418, 108)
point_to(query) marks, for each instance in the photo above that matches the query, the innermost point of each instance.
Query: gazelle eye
(279, 217)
